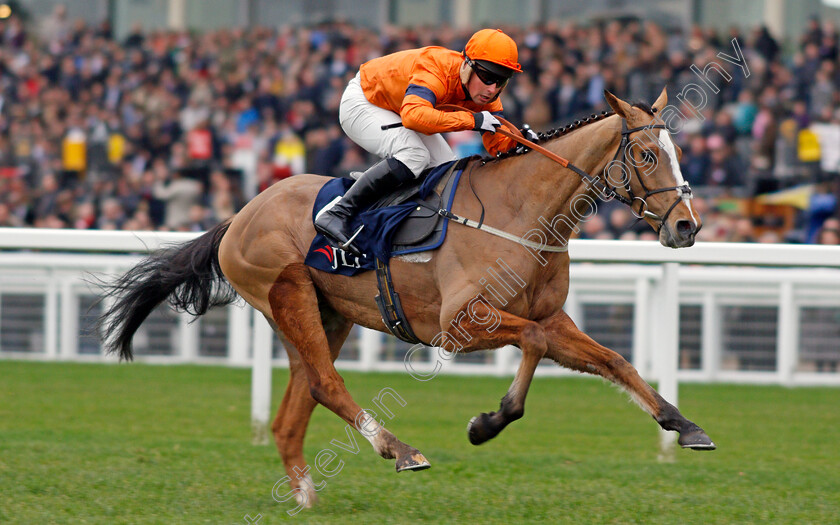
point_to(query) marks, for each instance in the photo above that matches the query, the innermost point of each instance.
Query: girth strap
(389, 305)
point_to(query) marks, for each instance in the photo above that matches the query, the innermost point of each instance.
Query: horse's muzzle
(680, 234)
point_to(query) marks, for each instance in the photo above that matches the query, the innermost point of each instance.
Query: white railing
(718, 281)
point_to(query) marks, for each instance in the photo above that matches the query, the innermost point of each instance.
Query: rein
(683, 190)
(518, 137)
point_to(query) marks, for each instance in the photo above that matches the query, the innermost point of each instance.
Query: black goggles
(487, 76)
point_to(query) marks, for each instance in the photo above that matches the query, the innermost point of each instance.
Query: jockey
(405, 87)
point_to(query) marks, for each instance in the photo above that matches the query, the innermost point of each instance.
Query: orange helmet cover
(494, 46)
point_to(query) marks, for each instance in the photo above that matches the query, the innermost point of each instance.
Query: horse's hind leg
(289, 427)
(573, 349)
(294, 306)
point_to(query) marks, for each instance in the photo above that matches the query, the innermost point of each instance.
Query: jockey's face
(482, 93)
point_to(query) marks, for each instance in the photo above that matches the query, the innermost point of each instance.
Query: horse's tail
(188, 275)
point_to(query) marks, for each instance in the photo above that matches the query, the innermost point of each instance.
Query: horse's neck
(535, 190)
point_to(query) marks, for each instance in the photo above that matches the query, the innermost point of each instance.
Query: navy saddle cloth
(395, 225)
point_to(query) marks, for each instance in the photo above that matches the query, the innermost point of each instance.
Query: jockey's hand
(529, 133)
(485, 121)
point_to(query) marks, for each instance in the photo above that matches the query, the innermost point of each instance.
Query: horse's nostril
(685, 227)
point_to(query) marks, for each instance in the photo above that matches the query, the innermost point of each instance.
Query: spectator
(112, 215)
(55, 28)
(198, 219)
(595, 227)
(744, 231)
(45, 203)
(829, 233)
(223, 201)
(695, 162)
(725, 168)
(84, 216)
(179, 193)
(7, 219)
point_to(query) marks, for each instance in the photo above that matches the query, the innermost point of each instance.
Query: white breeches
(363, 121)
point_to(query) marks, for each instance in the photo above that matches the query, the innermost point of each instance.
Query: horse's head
(646, 167)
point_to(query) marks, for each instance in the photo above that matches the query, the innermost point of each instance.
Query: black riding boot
(379, 179)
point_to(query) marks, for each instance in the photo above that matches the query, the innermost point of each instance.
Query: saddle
(400, 223)
(424, 228)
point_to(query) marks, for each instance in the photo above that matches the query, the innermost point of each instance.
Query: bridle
(682, 190)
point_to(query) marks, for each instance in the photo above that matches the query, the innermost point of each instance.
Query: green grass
(171, 444)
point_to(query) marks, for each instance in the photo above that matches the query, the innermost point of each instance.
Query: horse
(259, 255)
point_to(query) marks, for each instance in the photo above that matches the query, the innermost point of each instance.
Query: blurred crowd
(175, 130)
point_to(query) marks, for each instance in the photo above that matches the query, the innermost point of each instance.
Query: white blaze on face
(671, 151)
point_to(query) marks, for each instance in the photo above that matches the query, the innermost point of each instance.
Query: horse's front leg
(530, 337)
(571, 348)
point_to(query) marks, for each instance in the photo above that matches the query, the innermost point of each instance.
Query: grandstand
(167, 116)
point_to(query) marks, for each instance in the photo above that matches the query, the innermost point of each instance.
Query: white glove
(485, 121)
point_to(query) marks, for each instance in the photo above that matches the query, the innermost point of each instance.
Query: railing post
(51, 318)
(502, 359)
(108, 301)
(668, 348)
(370, 348)
(710, 337)
(573, 308)
(261, 380)
(188, 337)
(641, 327)
(69, 335)
(786, 345)
(239, 333)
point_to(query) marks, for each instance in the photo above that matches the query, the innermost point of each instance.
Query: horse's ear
(662, 101)
(621, 108)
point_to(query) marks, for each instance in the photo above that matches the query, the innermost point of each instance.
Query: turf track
(171, 444)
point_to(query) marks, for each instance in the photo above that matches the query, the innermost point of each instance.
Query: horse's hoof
(473, 434)
(477, 429)
(696, 440)
(306, 496)
(413, 461)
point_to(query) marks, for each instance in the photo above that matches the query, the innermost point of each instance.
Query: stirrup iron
(348, 246)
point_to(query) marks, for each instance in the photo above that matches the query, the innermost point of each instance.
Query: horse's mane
(574, 126)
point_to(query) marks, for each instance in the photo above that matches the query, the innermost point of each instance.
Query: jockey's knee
(415, 159)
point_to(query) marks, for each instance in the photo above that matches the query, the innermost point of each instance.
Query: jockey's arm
(419, 114)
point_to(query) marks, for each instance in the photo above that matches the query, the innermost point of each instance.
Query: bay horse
(260, 252)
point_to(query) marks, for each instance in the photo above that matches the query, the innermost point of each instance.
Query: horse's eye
(648, 156)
